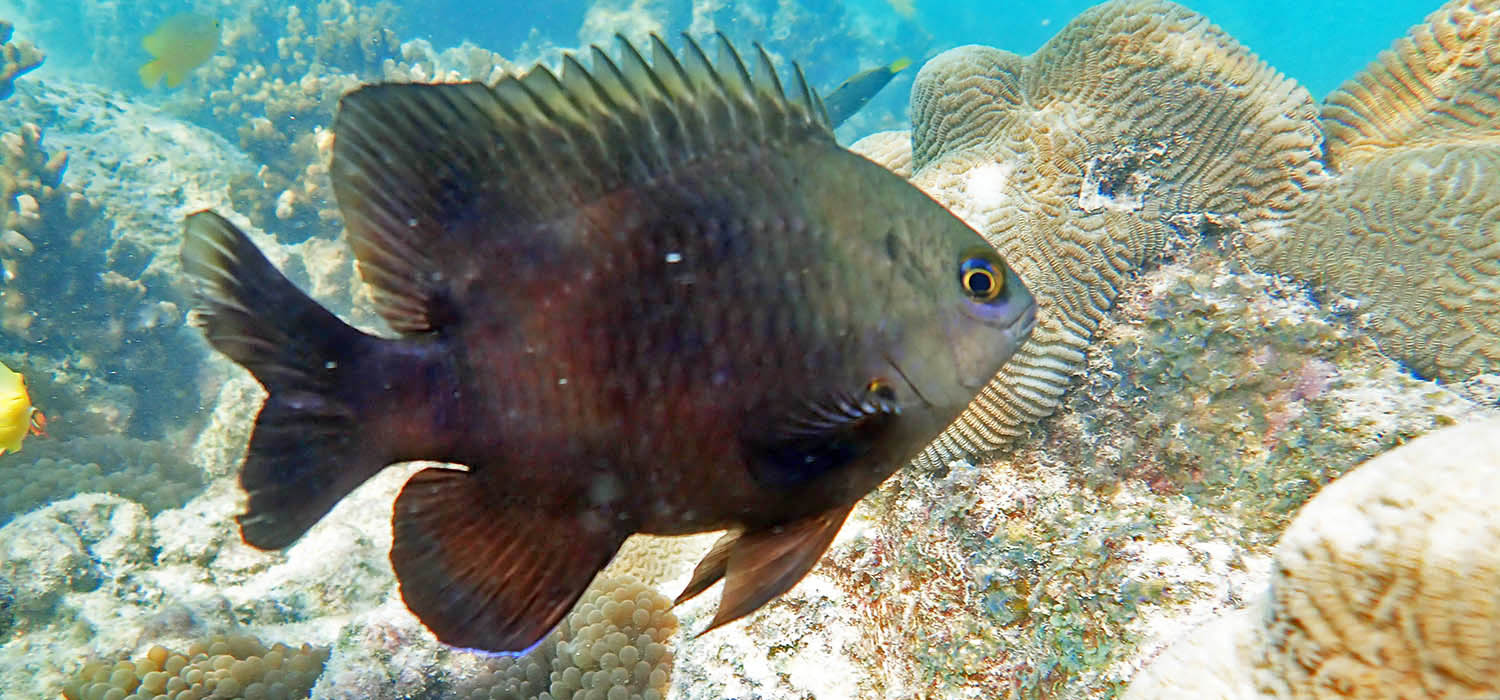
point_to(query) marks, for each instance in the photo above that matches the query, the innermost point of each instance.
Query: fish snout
(982, 345)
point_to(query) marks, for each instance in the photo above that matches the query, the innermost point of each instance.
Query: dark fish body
(638, 298)
(856, 92)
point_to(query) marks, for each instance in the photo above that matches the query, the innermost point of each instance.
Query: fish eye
(880, 389)
(981, 277)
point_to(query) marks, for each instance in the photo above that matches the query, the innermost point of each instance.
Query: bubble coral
(222, 666)
(610, 647)
(16, 57)
(1408, 226)
(1139, 128)
(1383, 586)
(152, 473)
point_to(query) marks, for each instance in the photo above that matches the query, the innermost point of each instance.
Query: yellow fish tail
(899, 65)
(176, 75)
(152, 72)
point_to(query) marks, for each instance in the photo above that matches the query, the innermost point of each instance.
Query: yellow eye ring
(980, 279)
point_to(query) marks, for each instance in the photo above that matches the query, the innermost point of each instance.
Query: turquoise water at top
(1317, 42)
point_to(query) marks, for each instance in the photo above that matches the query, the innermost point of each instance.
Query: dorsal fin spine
(765, 78)
(643, 75)
(685, 96)
(730, 59)
(607, 103)
(768, 95)
(713, 112)
(676, 80)
(608, 75)
(816, 111)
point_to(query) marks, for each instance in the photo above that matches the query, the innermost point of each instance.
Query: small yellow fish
(17, 416)
(907, 9)
(179, 44)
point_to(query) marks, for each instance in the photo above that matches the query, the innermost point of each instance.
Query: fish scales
(690, 316)
(642, 297)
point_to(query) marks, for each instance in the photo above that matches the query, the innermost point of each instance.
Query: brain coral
(1411, 225)
(1384, 586)
(1139, 127)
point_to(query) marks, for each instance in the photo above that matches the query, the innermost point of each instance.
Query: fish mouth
(974, 353)
(926, 403)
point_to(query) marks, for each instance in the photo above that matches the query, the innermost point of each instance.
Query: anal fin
(758, 565)
(487, 573)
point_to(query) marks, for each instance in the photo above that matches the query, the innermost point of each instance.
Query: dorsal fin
(422, 172)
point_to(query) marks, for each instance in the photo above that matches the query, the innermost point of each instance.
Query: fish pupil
(979, 279)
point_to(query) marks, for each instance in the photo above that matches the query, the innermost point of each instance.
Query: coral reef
(277, 83)
(16, 57)
(1138, 129)
(222, 666)
(1383, 586)
(1216, 401)
(1208, 405)
(94, 576)
(67, 268)
(152, 474)
(1407, 228)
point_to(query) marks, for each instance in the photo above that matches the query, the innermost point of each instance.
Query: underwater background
(1216, 397)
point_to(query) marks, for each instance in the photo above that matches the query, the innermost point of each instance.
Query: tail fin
(152, 72)
(308, 450)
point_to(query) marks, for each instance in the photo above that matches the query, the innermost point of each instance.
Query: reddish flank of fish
(640, 297)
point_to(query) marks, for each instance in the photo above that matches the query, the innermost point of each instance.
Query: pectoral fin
(758, 565)
(815, 437)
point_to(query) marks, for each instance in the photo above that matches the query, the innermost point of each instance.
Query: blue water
(1320, 43)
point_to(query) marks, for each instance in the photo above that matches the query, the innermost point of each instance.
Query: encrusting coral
(16, 57)
(1383, 586)
(1138, 129)
(1408, 226)
(1153, 495)
(222, 666)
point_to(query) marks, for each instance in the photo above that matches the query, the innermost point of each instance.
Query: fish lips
(997, 337)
